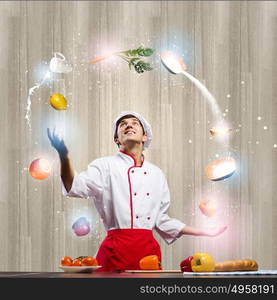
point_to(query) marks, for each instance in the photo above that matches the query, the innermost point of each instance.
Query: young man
(130, 194)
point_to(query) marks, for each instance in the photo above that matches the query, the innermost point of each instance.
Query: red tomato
(89, 261)
(66, 261)
(77, 262)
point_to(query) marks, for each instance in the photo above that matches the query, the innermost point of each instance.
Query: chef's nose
(129, 126)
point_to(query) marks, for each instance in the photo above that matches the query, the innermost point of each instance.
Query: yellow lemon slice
(58, 101)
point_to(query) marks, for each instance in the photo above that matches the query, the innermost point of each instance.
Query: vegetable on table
(66, 261)
(185, 264)
(79, 261)
(202, 262)
(150, 262)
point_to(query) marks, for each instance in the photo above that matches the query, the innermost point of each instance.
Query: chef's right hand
(57, 143)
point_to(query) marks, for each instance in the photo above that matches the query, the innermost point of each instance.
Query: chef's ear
(117, 141)
(144, 138)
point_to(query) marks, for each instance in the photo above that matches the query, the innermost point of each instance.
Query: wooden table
(148, 274)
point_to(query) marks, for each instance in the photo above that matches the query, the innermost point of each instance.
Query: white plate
(81, 269)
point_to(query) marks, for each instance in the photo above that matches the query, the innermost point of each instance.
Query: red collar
(135, 165)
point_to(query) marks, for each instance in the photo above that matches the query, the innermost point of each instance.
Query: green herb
(134, 58)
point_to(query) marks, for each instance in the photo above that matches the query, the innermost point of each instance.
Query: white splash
(215, 108)
(30, 93)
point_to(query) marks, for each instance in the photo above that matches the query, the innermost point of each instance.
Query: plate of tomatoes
(81, 264)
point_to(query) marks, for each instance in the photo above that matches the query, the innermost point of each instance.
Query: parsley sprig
(134, 58)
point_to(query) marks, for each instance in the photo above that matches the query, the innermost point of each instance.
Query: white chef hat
(144, 123)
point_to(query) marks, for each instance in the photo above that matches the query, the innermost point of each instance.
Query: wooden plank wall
(230, 46)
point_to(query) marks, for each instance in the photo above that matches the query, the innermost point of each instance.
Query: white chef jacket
(128, 196)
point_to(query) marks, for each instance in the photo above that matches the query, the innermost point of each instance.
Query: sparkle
(275, 145)
(265, 127)
(228, 96)
(259, 118)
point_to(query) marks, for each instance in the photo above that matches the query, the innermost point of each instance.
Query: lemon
(58, 101)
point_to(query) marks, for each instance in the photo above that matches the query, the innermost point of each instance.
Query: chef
(130, 194)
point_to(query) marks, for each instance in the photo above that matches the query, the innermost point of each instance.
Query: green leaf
(142, 66)
(130, 65)
(145, 52)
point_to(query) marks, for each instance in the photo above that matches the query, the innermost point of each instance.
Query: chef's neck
(135, 152)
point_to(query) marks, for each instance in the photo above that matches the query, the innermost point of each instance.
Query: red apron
(122, 249)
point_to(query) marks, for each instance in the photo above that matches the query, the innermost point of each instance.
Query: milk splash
(30, 93)
(211, 99)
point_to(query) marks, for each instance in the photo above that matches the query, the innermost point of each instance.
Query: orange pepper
(150, 262)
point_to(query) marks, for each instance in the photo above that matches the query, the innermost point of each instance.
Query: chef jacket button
(147, 194)
(137, 217)
(133, 171)
(135, 194)
(145, 173)
(148, 218)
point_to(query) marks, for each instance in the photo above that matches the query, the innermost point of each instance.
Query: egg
(58, 101)
(40, 168)
(220, 131)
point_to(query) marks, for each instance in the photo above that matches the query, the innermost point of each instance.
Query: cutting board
(153, 271)
(258, 272)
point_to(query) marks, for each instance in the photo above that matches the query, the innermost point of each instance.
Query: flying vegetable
(134, 58)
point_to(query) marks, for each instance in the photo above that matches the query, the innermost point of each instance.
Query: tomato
(89, 261)
(77, 262)
(66, 261)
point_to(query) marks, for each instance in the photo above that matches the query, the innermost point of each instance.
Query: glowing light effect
(58, 101)
(175, 65)
(221, 169)
(40, 168)
(81, 227)
(208, 207)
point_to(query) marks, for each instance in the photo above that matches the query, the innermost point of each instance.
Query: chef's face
(130, 131)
